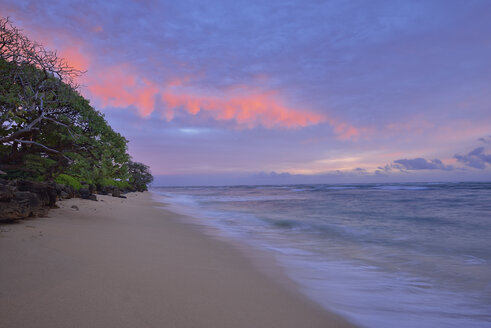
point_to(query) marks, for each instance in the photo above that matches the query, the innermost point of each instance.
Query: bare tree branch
(51, 150)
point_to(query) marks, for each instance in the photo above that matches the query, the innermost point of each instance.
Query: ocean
(381, 255)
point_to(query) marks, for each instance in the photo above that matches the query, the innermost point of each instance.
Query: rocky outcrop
(22, 198)
(102, 190)
(113, 191)
(46, 191)
(31, 200)
(64, 192)
(86, 194)
(6, 192)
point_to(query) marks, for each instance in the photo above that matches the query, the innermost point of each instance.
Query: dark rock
(65, 192)
(116, 192)
(14, 210)
(101, 190)
(22, 205)
(59, 188)
(6, 193)
(70, 191)
(75, 207)
(52, 194)
(122, 196)
(92, 188)
(84, 193)
(32, 199)
(46, 192)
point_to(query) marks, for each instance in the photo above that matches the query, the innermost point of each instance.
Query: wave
(401, 187)
(354, 248)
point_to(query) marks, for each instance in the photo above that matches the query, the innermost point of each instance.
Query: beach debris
(75, 207)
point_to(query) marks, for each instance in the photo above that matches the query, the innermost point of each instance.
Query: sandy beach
(126, 263)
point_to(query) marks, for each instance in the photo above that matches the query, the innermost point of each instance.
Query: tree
(36, 87)
(47, 128)
(140, 175)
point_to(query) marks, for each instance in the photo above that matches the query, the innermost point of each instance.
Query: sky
(281, 92)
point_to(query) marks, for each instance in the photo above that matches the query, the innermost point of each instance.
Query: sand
(126, 263)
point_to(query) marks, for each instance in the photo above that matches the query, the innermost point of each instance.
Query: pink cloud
(344, 130)
(75, 57)
(116, 86)
(249, 110)
(120, 85)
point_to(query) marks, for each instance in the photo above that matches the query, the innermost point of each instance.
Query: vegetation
(67, 180)
(139, 175)
(48, 131)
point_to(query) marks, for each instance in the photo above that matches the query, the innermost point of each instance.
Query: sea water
(382, 255)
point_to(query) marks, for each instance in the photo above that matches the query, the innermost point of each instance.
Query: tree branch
(51, 150)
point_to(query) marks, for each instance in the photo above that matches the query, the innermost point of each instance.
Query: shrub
(107, 182)
(68, 180)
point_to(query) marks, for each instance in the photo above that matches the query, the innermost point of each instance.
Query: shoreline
(130, 263)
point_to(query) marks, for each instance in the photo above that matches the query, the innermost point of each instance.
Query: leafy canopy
(48, 131)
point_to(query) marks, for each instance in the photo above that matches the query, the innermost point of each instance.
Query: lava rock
(84, 193)
(22, 205)
(116, 192)
(6, 193)
(46, 192)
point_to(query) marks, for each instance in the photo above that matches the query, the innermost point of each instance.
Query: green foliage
(107, 182)
(68, 180)
(140, 175)
(35, 167)
(49, 131)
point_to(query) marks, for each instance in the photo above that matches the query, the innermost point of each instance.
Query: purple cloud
(476, 158)
(422, 164)
(486, 140)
